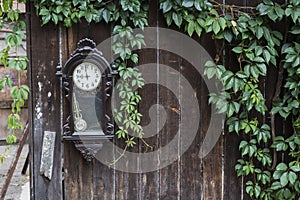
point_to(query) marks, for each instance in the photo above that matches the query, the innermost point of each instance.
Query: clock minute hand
(86, 74)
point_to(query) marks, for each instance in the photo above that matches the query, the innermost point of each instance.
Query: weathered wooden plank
(126, 183)
(78, 174)
(44, 103)
(103, 176)
(231, 184)
(169, 97)
(149, 182)
(104, 181)
(72, 157)
(85, 179)
(149, 187)
(231, 142)
(71, 171)
(213, 162)
(191, 179)
(169, 73)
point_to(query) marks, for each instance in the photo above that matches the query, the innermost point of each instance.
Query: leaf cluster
(257, 48)
(10, 17)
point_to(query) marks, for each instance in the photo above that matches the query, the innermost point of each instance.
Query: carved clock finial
(86, 42)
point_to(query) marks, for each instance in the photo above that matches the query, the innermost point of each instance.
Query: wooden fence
(189, 177)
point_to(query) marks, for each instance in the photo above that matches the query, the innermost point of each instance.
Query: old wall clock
(88, 80)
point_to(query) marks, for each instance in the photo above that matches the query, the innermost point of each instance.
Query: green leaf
(106, 15)
(216, 27)
(214, 12)
(76, 2)
(262, 68)
(295, 30)
(197, 6)
(284, 179)
(187, 3)
(134, 58)
(210, 72)
(228, 35)
(236, 84)
(254, 71)
(295, 168)
(259, 32)
(89, 17)
(282, 167)
(166, 6)
(241, 74)
(201, 22)
(266, 55)
(258, 59)
(198, 29)
(222, 23)
(250, 55)
(44, 11)
(54, 18)
(191, 28)
(177, 19)
(237, 49)
(249, 188)
(292, 177)
(227, 77)
(257, 191)
(276, 185)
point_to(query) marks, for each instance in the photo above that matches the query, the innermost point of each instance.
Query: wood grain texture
(149, 181)
(232, 184)
(189, 177)
(149, 185)
(44, 103)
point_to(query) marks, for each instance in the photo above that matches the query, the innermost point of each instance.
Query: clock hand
(86, 74)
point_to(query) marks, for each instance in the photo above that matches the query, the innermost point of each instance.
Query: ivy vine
(252, 39)
(10, 16)
(257, 47)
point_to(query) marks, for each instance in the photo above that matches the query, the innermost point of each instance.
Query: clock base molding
(88, 145)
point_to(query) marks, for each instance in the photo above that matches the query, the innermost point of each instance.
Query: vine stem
(233, 6)
(276, 96)
(146, 143)
(120, 156)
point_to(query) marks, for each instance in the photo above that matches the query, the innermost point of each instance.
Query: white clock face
(87, 76)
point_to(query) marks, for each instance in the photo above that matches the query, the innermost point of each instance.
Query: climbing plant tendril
(257, 48)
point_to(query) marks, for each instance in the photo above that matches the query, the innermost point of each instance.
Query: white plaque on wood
(47, 154)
